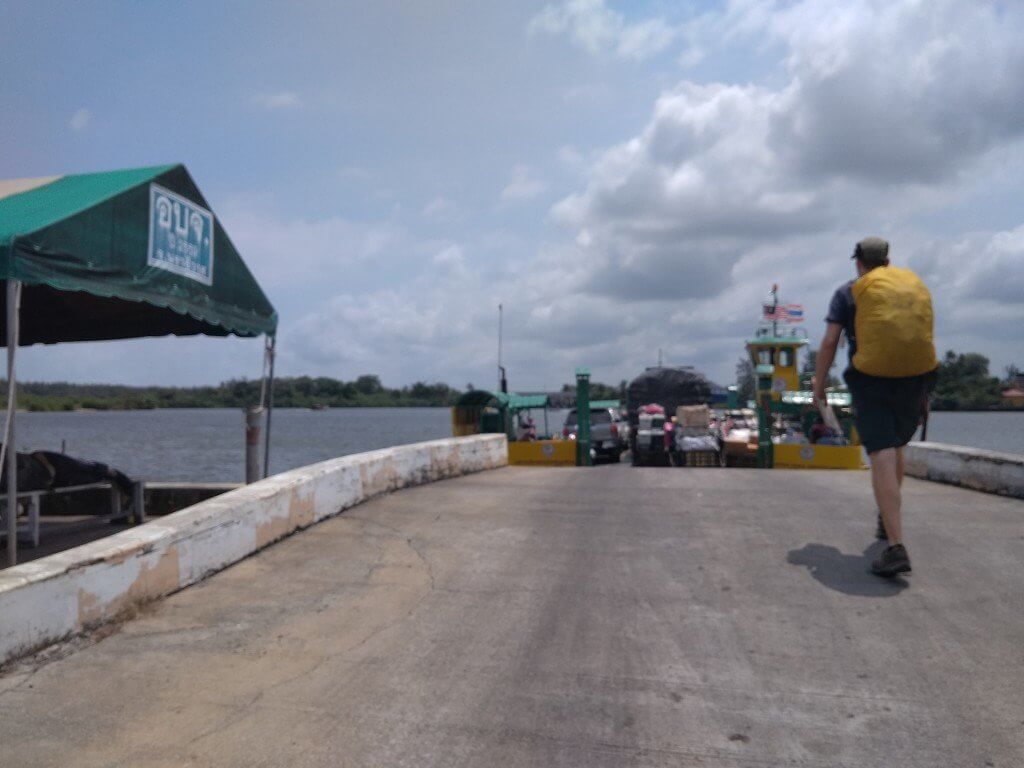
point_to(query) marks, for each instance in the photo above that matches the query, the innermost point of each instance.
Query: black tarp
(668, 387)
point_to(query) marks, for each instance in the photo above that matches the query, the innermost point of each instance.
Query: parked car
(609, 432)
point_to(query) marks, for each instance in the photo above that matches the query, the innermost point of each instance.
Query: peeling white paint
(989, 471)
(61, 595)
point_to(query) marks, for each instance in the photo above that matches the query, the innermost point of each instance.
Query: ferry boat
(786, 411)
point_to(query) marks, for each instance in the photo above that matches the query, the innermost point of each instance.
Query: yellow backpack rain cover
(893, 323)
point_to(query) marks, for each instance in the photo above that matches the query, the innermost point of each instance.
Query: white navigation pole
(13, 300)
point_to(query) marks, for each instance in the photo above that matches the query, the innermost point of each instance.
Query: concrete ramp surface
(550, 617)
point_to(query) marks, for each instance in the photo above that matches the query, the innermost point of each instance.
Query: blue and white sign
(180, 235)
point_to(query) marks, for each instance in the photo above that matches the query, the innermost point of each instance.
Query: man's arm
(826, 356)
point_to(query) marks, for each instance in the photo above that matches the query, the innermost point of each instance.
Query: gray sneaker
(893, 561)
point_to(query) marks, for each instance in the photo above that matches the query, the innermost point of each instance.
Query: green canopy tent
(118, 255)
(518, 403)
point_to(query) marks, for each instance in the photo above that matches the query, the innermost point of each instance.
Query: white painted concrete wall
(988, 471)
(61, 595)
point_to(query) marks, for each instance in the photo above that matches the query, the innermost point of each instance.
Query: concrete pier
(568, 617)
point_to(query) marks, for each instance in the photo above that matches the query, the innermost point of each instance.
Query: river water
(207, 444)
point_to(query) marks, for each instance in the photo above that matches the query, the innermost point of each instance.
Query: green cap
(872, 251)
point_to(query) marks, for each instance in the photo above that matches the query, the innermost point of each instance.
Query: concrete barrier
(64, 594)
(989, 471)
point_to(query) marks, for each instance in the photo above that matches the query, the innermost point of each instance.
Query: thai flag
(793, 313)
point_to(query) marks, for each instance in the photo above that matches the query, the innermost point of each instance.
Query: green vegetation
(807, 372)
(965, 384)
(599, 391)
(299, 392)
(746, 380)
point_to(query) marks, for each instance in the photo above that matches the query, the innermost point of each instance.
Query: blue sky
(621, 176)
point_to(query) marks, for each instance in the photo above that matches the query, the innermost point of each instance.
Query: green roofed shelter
(118, 255)
(518, 403)
(483, 397)
(124, 254)
(481, 411)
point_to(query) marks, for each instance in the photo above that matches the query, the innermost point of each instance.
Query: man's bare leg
(900, 465)
(886, 476)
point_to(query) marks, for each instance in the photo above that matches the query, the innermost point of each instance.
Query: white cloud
(597, 29)
(440, 208)
(278, 100)
(878, 101)
(587, 95)
(875, 118)
(290, 252)
(570, 156)
(899, 91)
(80, 120)
(450, 258)
(977, 285)
(522, 185)
(434, 327)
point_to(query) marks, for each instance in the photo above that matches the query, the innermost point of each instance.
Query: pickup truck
(609, 432)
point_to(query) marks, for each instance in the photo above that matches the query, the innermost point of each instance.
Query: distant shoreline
(288, 392)
(352, 406)
(219, 407)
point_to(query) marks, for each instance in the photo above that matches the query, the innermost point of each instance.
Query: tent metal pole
(271, 349)
(10, 444)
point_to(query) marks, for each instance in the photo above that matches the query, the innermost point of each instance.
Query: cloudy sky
(623, 177)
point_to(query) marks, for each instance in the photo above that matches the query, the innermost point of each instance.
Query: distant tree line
(297, 392)
(965, 384)
(599, 391)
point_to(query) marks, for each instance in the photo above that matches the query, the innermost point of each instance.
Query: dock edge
(60, 596)
(980, 470)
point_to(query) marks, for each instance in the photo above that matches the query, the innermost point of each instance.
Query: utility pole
(502, 380)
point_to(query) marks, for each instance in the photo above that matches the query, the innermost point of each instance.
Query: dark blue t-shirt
(842, 310)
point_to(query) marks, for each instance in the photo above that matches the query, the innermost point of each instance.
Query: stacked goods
(693, 423)
(693, 416)
(705, 442)
(700, 459)
(670, 387)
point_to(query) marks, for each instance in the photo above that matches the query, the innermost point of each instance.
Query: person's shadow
(848, 574)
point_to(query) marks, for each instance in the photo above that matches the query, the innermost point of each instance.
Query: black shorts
(887, 411)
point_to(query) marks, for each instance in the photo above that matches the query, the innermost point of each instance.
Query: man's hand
(818, 389)
(826, 354)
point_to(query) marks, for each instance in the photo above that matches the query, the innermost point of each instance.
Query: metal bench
(29, 531)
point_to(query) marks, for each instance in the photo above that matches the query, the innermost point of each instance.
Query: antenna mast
(502, 381)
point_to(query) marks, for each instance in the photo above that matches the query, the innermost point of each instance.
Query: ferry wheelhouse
(793, 432)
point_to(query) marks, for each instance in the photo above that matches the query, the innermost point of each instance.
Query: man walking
(886, 314)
